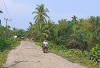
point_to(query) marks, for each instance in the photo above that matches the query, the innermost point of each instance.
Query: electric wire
(6, 10)
(3, 13)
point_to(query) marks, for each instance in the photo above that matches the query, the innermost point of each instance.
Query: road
(29, 55)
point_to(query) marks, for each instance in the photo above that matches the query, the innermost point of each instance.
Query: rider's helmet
(45, 40)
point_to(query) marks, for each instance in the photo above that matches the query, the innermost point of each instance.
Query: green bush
(74, 53)
(7, 43)
(3, 44)
(12, 42)
(95, 54)
(50, 45)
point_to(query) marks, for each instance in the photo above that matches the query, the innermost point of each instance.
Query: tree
(74, 20)
(15, 31)
(40, 28)
(63, 31)
(41, 15)
(36, 34)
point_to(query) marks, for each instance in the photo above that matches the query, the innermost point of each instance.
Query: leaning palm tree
(41, 15)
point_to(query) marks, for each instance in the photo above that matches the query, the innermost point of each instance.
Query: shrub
(75, 53)
(3, 44)
(7, 43)
(11, 42)
(95, 54)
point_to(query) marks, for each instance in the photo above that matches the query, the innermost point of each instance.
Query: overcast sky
(20, 11)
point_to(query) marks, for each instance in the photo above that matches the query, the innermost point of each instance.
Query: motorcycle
(45, 48)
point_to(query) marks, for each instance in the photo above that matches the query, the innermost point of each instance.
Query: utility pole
(6, 19)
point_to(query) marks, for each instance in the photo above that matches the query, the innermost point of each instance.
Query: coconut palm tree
(41, 15)
(36, 34)
(39, 30)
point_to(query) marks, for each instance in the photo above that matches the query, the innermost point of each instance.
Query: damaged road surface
(29, 55)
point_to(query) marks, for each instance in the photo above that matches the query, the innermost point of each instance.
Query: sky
(19, 12)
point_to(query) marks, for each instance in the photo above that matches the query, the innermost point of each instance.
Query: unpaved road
(29, 55)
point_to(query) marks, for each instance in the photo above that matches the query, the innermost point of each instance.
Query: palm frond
(36, 17)
(46, 15)
(46, 10)
(35, 12)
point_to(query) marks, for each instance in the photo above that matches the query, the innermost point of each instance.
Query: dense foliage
(77, 34)
(81, 34)
(7, 42)
(73, 55)
(95, 54)
(7, 37)
(4, 44)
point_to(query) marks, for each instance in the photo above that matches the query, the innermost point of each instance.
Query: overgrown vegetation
(73, 55)
(95, 54)
(70, 38)
(7, 42)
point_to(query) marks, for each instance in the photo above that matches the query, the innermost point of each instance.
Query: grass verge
(73, 55)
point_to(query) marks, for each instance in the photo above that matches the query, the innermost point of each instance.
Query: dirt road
(29, 55)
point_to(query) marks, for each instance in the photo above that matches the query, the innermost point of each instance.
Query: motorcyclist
(45, 44)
